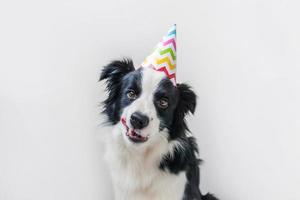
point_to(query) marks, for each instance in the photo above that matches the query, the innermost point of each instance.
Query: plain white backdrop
(242, 57)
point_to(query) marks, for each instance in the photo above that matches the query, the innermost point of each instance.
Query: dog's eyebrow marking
(133, 81)
(165, 89)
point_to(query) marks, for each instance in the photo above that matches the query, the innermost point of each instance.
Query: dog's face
(145, 103)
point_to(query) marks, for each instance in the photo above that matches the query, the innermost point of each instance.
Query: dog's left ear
(187, 99)
(186, 104)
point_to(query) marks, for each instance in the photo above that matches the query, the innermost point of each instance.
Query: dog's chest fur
(136, 174)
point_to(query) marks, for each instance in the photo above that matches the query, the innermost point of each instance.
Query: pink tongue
(135, 135)
(131, 132)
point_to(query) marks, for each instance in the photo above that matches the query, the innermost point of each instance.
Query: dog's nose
(139, 120)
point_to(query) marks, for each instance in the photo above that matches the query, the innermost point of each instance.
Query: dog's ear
(186, 104)
(187, 99)
(115, 70)
(113, 74)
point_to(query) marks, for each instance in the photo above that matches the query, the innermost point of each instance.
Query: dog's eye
(163, 103)
(131, 95)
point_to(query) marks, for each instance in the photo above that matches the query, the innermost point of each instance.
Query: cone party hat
(163, 58)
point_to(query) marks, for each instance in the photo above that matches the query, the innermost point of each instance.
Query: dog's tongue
(132, 133)
(135, 135)
(123, 120)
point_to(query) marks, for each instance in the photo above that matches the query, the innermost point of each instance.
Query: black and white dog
(150, 153)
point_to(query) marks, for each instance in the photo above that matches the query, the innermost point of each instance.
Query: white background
(241, 57)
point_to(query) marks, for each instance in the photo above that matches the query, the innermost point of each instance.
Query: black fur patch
(183, 156)
(167, 91)
(184, 159)
(113, 73)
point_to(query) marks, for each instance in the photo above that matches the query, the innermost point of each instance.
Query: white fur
(135, 171)
(135, 167)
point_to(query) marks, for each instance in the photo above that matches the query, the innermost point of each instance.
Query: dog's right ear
(115, 70)
(113, 74)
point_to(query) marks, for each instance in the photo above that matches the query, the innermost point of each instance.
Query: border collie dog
(150, 153)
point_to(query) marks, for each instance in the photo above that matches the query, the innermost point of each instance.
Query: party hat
(163, 58)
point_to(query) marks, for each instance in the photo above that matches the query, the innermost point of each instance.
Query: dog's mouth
(133, 134)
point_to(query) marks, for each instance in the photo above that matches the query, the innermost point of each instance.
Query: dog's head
(145, 103)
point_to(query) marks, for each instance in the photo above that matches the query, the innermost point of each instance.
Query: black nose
(138, 120)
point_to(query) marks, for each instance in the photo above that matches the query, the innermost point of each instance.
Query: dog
(150, 151)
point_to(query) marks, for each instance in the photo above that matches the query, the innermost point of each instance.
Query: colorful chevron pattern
(163, 58)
